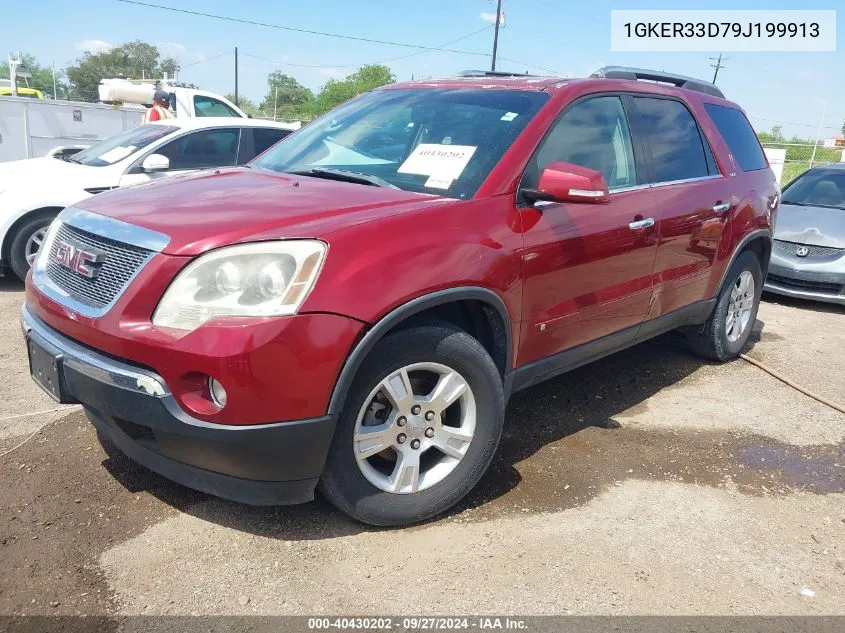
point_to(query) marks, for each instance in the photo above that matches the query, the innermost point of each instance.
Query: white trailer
(30, 128)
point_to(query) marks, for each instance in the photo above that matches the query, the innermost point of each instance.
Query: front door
(587, 266)
(202, 149)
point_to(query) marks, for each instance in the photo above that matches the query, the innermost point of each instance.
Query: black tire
(711, 340)
(343, 483)
(17, 249)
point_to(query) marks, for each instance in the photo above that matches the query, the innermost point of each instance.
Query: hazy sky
(540, 35)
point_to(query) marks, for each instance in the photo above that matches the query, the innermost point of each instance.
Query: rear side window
(263, 138)
(678, 150)
(739, 135)
(592, 133)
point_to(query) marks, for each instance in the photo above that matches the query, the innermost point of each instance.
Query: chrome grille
(791, 248)
(120, 264)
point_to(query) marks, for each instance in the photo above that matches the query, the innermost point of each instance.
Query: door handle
(722, 207)
(641, 224)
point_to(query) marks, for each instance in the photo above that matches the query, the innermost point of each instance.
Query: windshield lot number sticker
(440, 162)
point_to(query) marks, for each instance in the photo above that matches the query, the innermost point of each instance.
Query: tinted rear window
(264, 138)
(740, 137)
(677, 149)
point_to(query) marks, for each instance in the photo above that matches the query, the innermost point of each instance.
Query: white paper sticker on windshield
(509, 116)
(445, 162)
(436, 182)
(118, 153)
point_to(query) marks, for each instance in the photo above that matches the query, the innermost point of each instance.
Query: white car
(32, 192)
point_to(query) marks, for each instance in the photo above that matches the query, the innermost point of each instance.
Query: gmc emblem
(80, 261)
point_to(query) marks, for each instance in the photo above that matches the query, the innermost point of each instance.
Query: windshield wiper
(796, 204)
(346, 176)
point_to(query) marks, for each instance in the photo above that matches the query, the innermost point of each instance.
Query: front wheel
(420, 426)
(726, 332)
(26, 243)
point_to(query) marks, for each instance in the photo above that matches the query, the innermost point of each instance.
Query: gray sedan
(808, 258)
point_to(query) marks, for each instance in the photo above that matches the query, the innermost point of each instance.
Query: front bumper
(263, 464)
(807, 279)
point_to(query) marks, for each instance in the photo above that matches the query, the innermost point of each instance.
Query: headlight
(252, 280)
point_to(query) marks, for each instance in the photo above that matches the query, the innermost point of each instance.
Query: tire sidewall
(344, 483)
(17, 249)
(746, 261)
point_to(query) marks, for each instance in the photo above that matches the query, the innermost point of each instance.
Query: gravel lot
(647, 483)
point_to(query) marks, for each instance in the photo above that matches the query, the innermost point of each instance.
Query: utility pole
(55, 95)
(496, 34)
(236, 76)
(818, 135)
(717, 65)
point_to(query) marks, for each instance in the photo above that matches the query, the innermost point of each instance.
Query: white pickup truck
(30, 128)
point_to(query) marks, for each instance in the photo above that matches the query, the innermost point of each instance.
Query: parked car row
(354, 309)
(33, 192)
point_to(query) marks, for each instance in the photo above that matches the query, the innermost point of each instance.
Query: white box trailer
(30, 128)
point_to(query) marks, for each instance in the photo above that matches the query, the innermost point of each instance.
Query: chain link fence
(790, 160)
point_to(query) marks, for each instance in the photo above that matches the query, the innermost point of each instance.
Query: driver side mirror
(567, 182)
(155, 162)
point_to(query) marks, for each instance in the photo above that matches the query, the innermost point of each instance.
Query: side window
(205, 148)
(593, 133)
(264, 138)
(739, 135)
(209, 106)
(677, 147)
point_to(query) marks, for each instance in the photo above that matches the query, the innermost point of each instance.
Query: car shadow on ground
(587, 398)
(10, 283)
(802, 304)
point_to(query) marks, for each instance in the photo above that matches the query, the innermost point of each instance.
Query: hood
(35, 172)
(819, 226)
(215, 208)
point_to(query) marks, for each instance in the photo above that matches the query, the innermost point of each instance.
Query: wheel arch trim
(398, 315)
(745, 241)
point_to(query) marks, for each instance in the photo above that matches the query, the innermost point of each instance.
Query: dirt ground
(647, 483)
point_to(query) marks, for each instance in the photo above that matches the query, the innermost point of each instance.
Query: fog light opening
(217, 392)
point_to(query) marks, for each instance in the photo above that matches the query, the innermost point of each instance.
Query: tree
(135, 60)
(285, 97)
(42, 77)
(366, 78)
(777, 132)
(843, 129)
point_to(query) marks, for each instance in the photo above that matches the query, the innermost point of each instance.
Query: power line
(299, 30)
(825, 127)
(546, 70)
(384, 61)
(202, 61)
(571, 12)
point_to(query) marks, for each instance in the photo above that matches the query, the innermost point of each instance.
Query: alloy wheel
(414, 428)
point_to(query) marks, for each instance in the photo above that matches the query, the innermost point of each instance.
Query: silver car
(808, 257)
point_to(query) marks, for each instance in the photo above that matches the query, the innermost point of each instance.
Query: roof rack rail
(491, 73)
(681, 81)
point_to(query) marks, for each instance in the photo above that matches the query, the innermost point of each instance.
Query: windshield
(443, 141)
(817, 187)
(117, 147)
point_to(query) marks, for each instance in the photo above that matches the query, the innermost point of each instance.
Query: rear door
(588, 266)
(261, 139)
(691, 199)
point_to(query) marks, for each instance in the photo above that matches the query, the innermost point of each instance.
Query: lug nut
(401, 421)
(415, 409)
(401, 438)
(429, 432)
(429, 415)
(415, 444)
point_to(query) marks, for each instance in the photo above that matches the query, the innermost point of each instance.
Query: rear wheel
(26, 243)
(726, 332)
(420, 426)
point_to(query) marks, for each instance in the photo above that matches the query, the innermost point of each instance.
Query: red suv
(354, 308)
